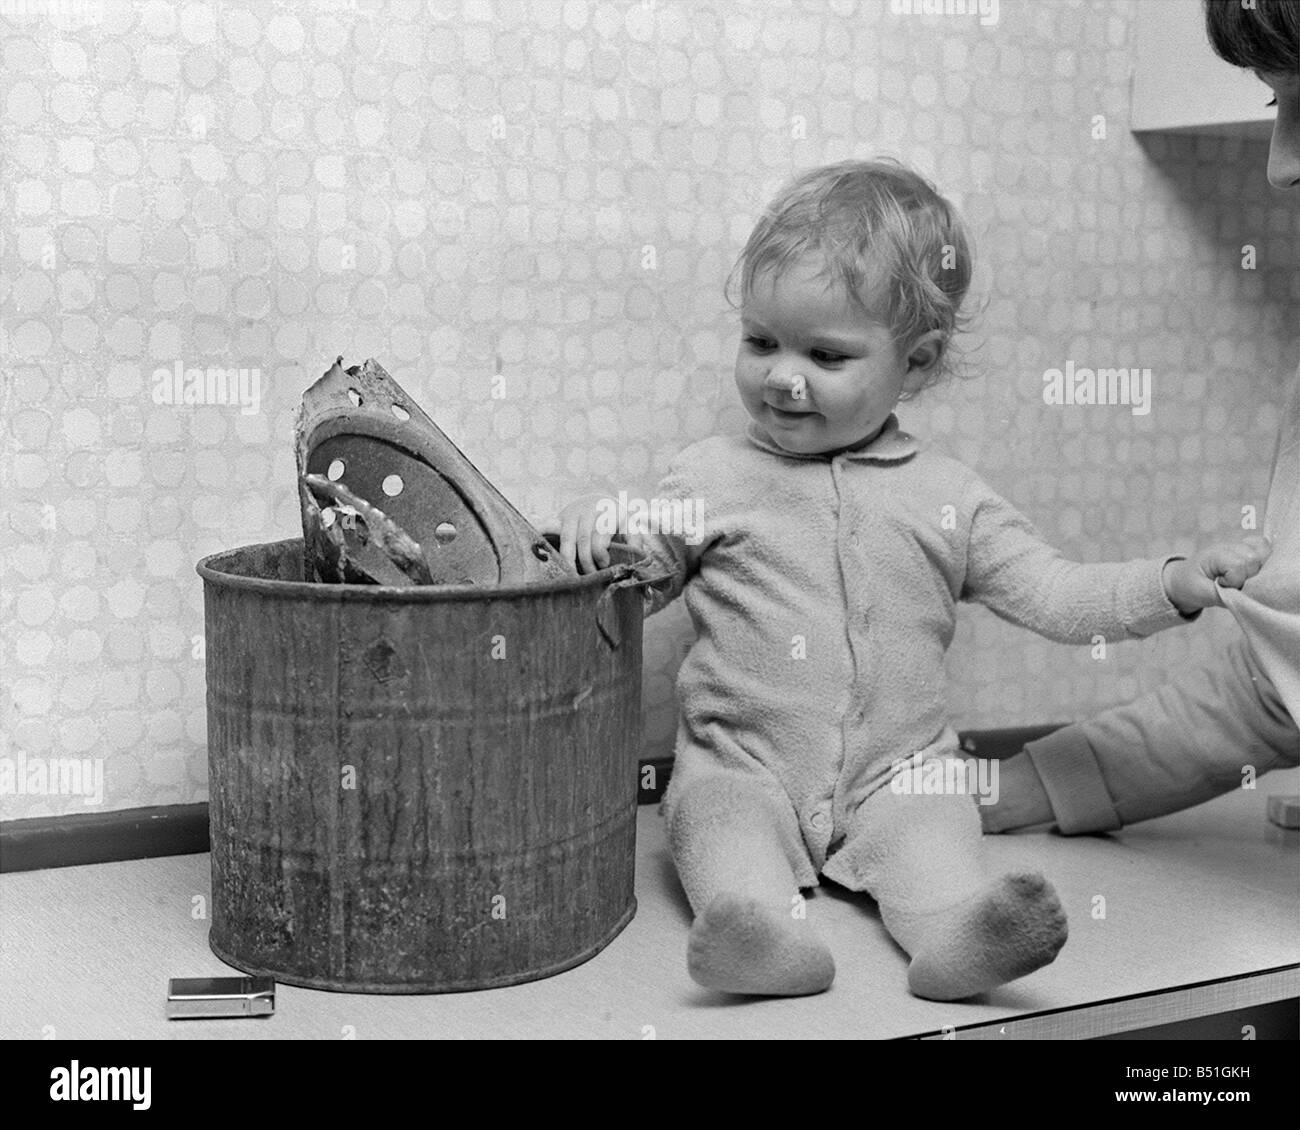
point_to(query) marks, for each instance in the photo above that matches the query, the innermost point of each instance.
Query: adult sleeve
(1180, 745)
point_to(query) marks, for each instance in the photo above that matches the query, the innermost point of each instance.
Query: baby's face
(814, 369)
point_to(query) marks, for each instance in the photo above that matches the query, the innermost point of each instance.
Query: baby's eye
(822, 357)
(1272, 101)
(759, 344)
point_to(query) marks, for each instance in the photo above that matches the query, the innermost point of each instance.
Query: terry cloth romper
(823, 591)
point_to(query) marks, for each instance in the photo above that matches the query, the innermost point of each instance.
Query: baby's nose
(792, 384)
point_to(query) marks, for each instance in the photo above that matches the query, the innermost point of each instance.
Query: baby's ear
(926, 353)
(922, 360)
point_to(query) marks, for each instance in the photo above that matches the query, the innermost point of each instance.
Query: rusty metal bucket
(420, 789)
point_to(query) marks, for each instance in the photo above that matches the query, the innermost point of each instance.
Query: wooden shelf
(1179, 84)
(1200, 918)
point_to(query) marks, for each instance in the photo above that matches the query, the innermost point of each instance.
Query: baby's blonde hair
(899, 248)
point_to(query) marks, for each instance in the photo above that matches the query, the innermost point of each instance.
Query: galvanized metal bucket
(421, 789)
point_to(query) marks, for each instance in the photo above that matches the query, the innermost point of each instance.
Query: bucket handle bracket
(606, 614)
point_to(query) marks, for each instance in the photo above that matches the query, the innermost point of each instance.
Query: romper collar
(892, 445)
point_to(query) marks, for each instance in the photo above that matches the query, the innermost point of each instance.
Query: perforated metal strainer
(388, 499)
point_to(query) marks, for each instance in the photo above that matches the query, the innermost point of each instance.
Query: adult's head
(1264, 37)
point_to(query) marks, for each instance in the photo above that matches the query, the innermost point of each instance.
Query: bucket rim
(408, 594)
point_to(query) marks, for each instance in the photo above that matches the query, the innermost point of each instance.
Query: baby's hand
(584, 532)
(1190, 584)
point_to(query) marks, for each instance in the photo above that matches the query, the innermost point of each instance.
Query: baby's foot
(1012, 927)
(739, 945)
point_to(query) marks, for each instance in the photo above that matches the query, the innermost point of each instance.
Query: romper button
(820, 820)
(854, 540)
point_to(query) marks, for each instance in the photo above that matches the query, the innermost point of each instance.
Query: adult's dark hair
(1262, 35)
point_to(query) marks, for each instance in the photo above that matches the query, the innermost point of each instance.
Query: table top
(1202, 911)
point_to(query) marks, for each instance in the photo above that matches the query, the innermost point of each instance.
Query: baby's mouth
(785, 414)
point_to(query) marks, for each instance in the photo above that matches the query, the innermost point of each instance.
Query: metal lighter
(1284, 811)
(198, 998)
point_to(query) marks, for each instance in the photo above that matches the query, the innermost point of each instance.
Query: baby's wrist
(1171, 577)
(1178, 578)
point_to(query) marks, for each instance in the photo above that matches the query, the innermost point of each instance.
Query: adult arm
(1177, 746)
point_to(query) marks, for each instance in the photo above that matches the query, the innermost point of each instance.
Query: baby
(824, 592)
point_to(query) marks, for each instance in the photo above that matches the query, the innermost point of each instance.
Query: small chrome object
(1284, 811)
(197, 998)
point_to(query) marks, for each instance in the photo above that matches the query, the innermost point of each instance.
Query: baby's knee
(717, 802)
(712, 796)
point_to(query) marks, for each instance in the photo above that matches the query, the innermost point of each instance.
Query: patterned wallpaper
(526, 210)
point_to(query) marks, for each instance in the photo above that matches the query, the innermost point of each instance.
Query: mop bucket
(421, 789)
